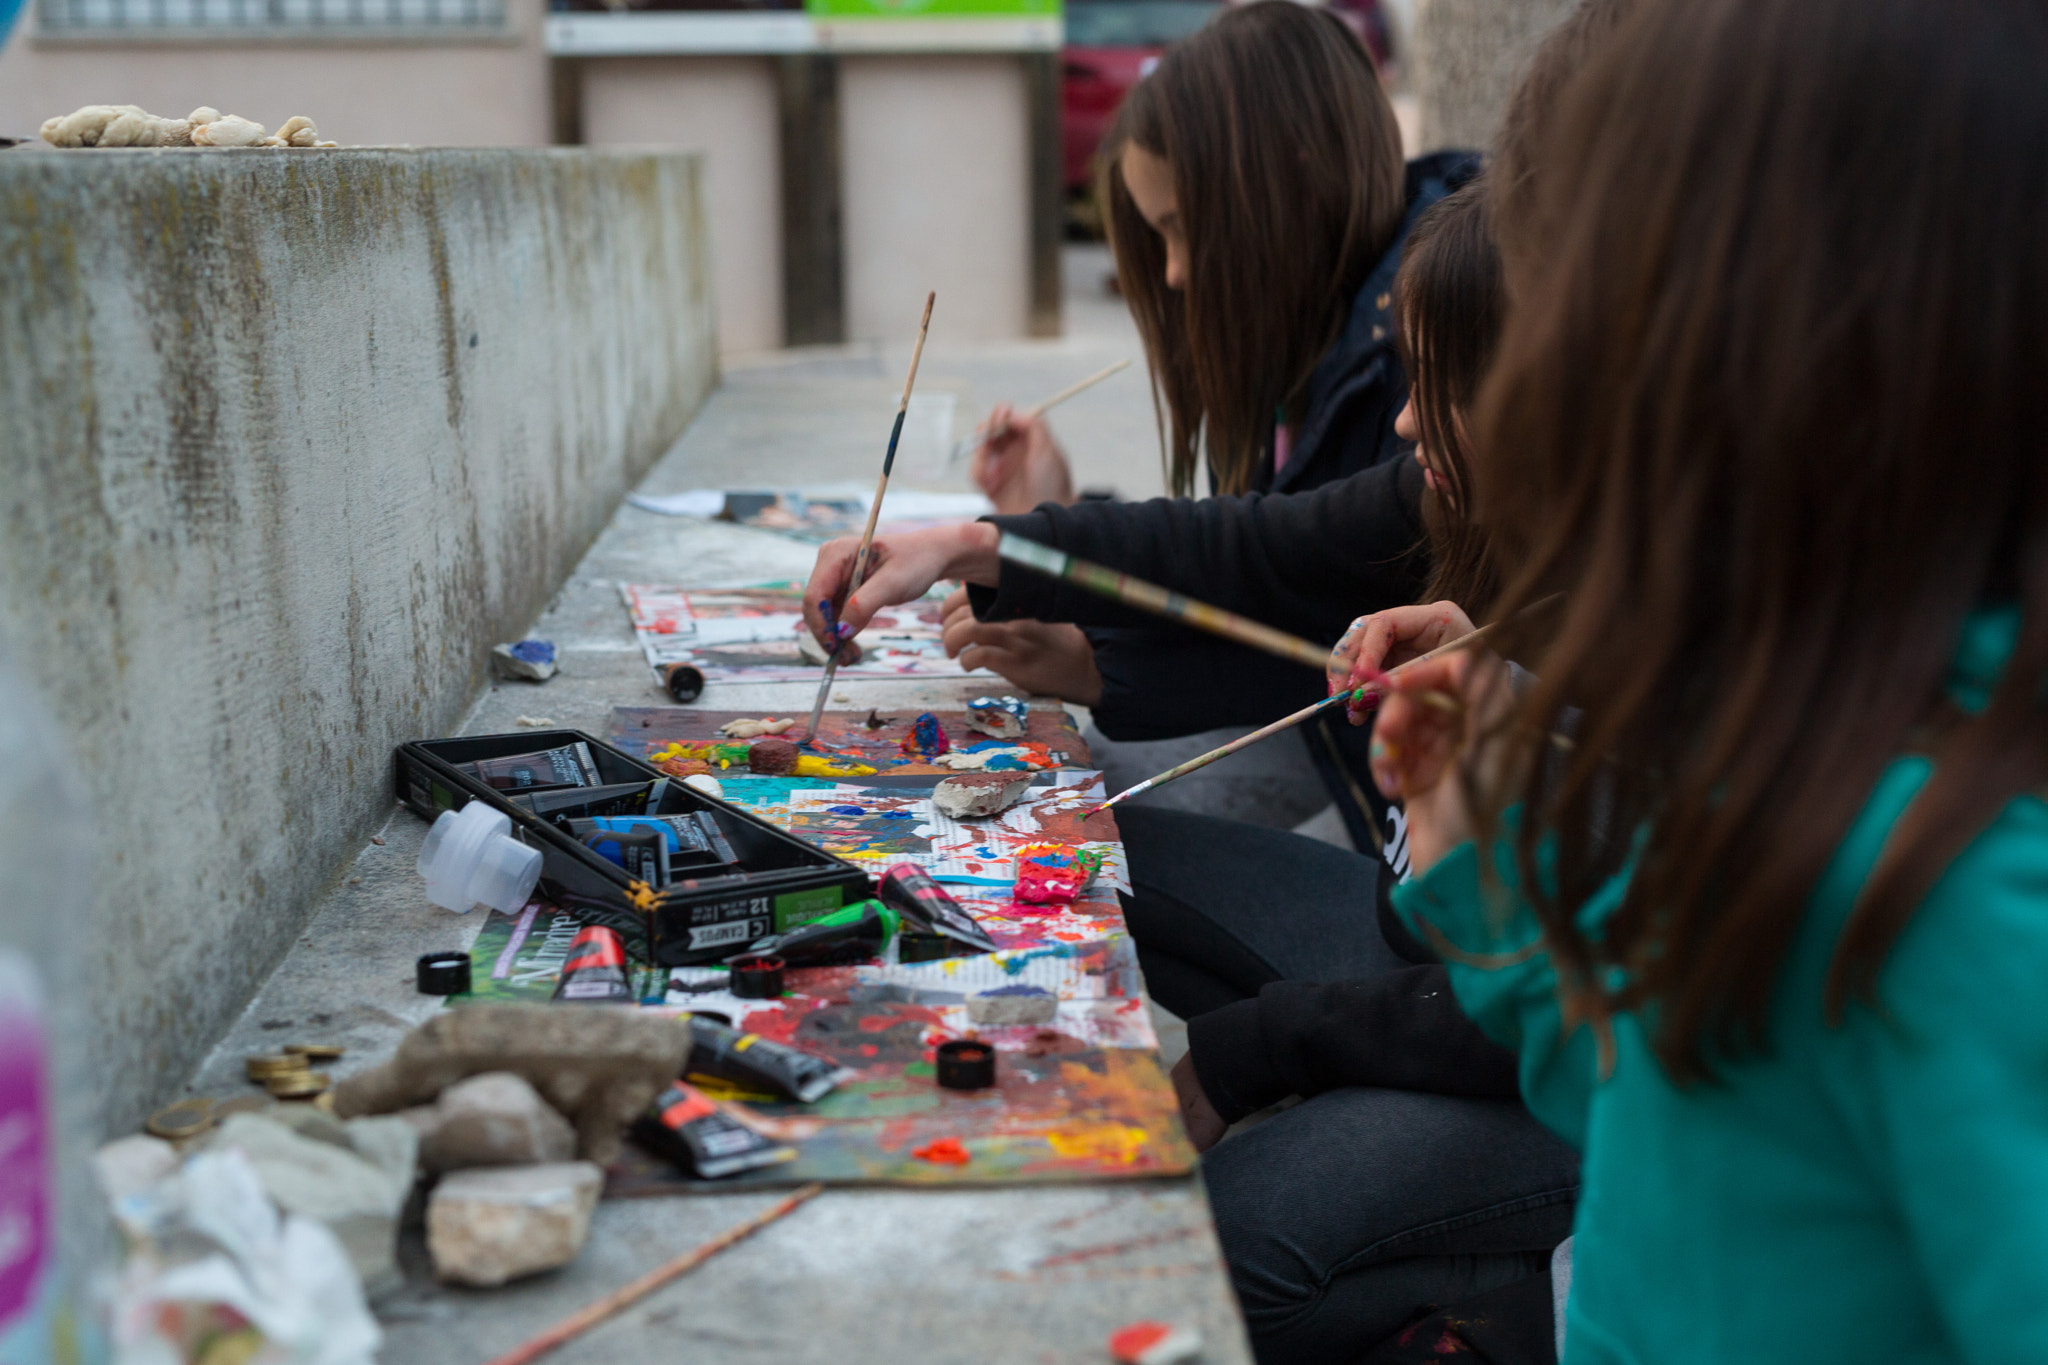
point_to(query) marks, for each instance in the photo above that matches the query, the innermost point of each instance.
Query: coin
(184, 1119)
(297, 1085)
(264, 1064)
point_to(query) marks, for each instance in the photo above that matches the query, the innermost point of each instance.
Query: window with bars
(269, 16)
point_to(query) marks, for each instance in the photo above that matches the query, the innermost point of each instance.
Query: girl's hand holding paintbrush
(1385, 640)
(1019, 465)
(901, 568)
(1420, 746)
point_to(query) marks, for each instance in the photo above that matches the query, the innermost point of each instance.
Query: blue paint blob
(534, 651)
(846, 810)
(897, 815)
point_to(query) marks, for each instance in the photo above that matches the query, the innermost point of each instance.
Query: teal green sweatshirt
(1872, 1192)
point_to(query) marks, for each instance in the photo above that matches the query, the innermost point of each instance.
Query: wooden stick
(1151, 597)
(973, 439)
(1436, 699)
(867, 536)
(584, 1319)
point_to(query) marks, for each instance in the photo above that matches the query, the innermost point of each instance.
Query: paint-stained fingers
(1338, 670)
(827, 587)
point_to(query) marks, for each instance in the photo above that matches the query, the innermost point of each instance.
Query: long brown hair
(1448, 300)
(1286, 162)
(1770, 416)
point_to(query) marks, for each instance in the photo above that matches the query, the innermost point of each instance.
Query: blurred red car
(1113, 44)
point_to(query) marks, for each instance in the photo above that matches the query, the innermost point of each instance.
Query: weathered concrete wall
(290, 439)
(1466, 57)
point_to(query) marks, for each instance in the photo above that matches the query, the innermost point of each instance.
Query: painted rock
(775, 757)
(1054, 874)
(927, 738)
(1010, 1006)
(998, 717)
(971, 796)
(527, 661)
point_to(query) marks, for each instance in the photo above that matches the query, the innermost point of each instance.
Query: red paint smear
(1129, 1343)
(945, 1151)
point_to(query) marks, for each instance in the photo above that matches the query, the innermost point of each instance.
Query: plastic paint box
(782, 882)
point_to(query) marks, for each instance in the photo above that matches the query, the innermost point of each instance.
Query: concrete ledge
(292, 438)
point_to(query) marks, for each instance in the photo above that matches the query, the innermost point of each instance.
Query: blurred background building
(859, 151)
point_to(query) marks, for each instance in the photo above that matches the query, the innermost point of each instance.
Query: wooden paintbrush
(1151, 597)
(1440, 700)
(867, 536)
(967, 443)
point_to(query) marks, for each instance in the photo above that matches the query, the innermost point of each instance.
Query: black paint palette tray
(781, 881)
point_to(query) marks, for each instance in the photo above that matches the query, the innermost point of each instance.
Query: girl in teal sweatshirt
(1753, 874)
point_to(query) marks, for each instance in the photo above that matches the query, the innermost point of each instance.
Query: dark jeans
(1347, 1215)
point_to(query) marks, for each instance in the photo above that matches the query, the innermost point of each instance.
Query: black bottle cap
(444, 974)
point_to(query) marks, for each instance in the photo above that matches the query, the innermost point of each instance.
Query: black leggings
(1346, 1216)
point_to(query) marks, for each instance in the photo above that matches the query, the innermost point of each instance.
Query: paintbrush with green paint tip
(1440, 700)
(867, 536)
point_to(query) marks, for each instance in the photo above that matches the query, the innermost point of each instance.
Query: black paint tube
(855, 934)
(927, 905)
(687, 1128)
(750, 1060)
(596, 970)
(562, 805)
(569, 766)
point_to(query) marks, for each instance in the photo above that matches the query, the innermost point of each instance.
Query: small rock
(774, 757)
(974, 795)
(390, 1144)
(131, 1165)
(998, 717)
(485, 1227)
(535, 723)
(527, 661)
(1009, 1006)
(705, 783)
(495, 1119)
(357, 1201)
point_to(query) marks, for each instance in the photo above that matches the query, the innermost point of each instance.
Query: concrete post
(1466, 58)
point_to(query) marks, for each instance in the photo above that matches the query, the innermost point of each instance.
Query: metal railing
(243, 17)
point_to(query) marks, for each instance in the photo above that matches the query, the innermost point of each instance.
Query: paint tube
(925, 904)
(569, 766)
(855, 934)
(596, 968)
(748, 1059)
(687, 1128)
(667, 848)
(561, 805)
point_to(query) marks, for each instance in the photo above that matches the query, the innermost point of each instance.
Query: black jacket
(1304, 563)
(1347, 539)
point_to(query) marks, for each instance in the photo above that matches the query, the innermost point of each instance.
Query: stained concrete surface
(1039, 1274)
(291, 439)
(1464, 61)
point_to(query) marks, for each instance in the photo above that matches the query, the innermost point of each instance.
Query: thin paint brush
(1439, 700)
(973, 439)
(867, 536)
(1151, 597)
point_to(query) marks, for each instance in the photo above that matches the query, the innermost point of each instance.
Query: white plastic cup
(470, 858)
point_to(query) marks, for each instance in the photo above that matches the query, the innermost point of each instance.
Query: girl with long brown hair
(1257, 204)
(1764, 902)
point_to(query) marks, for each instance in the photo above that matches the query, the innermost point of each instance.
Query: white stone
(131, 1165)
(494, 1224)
(495, 1119)
(357, 1201)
